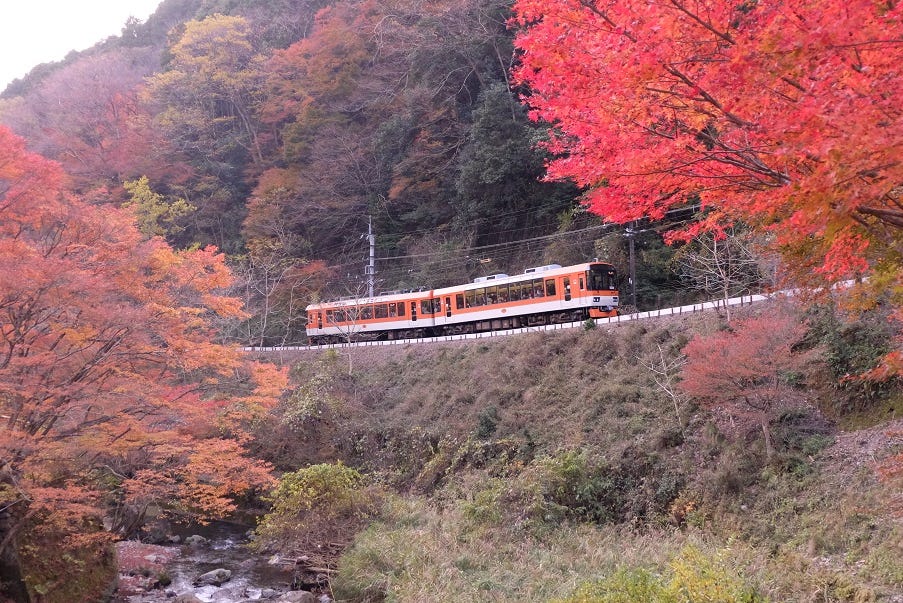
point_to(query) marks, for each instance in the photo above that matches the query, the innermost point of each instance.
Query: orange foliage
(109, 374)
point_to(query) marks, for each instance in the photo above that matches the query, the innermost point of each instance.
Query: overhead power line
(468, 250)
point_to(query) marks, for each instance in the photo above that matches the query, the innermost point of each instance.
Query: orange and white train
(540, 296)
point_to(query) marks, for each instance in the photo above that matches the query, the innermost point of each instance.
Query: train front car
(601, 290)
(543, 295)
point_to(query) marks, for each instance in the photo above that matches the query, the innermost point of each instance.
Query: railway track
(743, 300)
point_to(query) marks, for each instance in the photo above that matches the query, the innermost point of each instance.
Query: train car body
(542, 295)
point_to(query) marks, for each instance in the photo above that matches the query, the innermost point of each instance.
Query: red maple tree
(747, 370)
(113, 392)
(785, 115)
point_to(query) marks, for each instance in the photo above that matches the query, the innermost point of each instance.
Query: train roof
(528, 274)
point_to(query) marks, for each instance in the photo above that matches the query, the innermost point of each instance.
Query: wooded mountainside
(273, 130)
(277, 130)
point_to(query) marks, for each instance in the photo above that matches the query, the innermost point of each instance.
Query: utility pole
(631, 234)
(370, 269)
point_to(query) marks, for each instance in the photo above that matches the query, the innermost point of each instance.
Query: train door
(319, 320)
(567, 288)
(413, 311)
(448, 307)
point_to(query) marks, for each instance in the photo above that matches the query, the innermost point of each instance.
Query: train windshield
(601, 277)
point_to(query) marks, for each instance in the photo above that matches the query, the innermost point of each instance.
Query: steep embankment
(553, 466)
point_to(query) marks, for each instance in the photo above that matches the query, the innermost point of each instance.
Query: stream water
(253, 577)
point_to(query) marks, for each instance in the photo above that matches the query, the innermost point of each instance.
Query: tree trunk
(769, 445)
(11, 584)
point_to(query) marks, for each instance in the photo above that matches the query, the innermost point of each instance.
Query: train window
(601, 278)
(537, 288)
(503, 293)
(459, 301)
(471, 298)
(550, 287)
(366, 312)
(393, 312)
(401, 308)
(381, 311)
(492, 295)
(581, 284)
(514, 291)
(430, 306)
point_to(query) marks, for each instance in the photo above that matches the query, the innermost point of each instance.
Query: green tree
(211, 89)
(499, 172)
(207, 104)
(156, 215)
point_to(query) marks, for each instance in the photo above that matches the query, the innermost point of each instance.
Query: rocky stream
(213, 564)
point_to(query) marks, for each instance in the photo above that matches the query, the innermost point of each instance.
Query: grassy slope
(525, 467)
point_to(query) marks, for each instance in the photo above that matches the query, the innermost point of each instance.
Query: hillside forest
(186, 188)
(277, 130)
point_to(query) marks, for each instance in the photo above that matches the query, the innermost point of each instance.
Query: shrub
(745, 371)
(852, 348)
(692, 577)
(571, 486)
(487, 422)
(314, 396)
(317, 507)
(626, 585)
(698, 577)
(483, 507)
